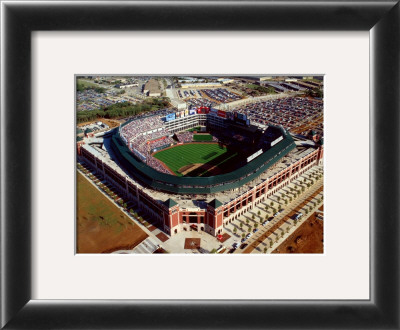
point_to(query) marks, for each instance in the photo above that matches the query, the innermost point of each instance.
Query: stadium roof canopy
(200, 185)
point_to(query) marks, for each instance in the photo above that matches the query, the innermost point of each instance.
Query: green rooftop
(215, 203)
(199, 185)
(170, 203)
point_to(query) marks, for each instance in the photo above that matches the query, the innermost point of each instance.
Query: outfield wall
(199, 185)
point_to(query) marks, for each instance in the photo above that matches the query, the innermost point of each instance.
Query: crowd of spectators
(157, 165)
(160, 143)
(142, 140)
(287, 112)
(141, 125)
(185, 137)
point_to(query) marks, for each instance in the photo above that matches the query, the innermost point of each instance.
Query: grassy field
(101, 226)
(87, 83)
(187, 154)
(202, 137)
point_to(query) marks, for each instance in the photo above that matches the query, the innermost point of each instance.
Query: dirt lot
(101, 226)
(308, 238)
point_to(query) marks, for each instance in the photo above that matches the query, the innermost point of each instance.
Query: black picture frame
(19, 311)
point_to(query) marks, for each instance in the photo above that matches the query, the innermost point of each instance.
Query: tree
(287, 230)
(258, 213)
(282, 234)
(255, 225)
(286, 202)
(234, 230)
(247, 221)
(278, 198)
(265, 250)
(243, 235)
(249, 230)
(241, 225)
(252, 217)
(125, 205)
(270, 243)
(272, 204)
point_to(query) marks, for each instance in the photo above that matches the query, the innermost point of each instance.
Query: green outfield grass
(187, 154)
(202, 137)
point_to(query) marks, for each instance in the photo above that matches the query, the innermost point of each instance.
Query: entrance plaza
(176, 244)
(288, 198)
(254, 219)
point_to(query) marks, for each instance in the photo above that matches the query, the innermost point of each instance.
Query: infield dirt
(210, 169)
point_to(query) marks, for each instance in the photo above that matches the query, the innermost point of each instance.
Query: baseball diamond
(180, 157)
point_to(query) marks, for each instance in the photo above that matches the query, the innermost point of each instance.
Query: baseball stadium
(199, 169)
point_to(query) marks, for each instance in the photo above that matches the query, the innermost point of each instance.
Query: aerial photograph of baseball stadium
(199, 164)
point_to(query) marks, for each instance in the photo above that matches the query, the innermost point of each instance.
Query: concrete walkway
(260, 213)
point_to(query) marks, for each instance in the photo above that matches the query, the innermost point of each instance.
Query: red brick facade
(173, 219)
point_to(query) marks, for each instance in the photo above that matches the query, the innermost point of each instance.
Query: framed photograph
(299, 59)
(199, 164)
